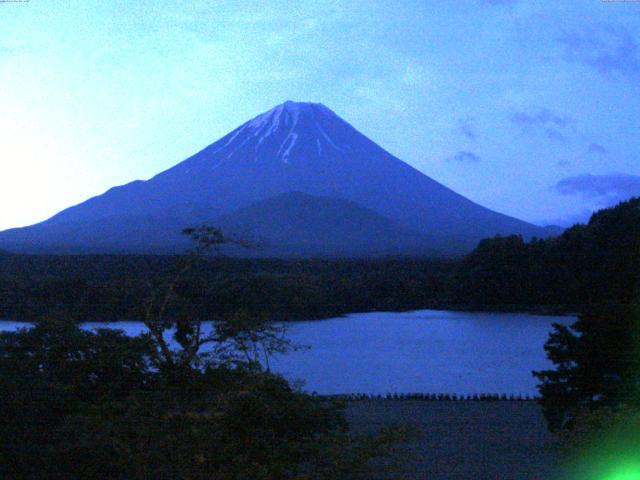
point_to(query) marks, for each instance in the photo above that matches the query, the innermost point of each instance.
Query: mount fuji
(299, 178)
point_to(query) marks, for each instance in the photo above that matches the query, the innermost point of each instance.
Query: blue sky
(530, 108)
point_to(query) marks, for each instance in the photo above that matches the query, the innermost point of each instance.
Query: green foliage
(50, 371)
(113, 287)
(231, 426)
(586, 266)
(597, 366)
(593, 269)
(495, 271)
(79, 404)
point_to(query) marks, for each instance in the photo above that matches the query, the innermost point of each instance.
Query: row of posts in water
(475, 397)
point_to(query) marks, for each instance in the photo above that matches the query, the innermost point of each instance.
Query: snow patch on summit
(266, 124)
(293, 137)
(302, 121)
(328, 139)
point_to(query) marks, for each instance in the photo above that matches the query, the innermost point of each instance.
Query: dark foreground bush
(78, 404)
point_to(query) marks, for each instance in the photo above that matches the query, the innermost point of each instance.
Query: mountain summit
(294, 147)
(290, 127)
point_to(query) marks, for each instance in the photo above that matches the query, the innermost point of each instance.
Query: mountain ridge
(301, 147)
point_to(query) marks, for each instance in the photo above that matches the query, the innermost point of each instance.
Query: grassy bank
(465, 439)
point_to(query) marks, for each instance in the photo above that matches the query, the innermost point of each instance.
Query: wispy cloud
(466, 157)
(554, 126)
(607, 49)
(466, 127)
(603, 189)
(564, 163)
(597, 149)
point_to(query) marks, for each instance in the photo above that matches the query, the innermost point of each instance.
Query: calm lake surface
(423, 351)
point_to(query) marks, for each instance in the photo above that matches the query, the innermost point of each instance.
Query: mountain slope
(294, 147)
(295, 223)
(115, 234)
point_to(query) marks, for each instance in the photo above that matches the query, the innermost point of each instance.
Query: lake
(424, 351)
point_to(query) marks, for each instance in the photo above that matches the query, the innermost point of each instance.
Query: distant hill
(299, 224)
(295, 147)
